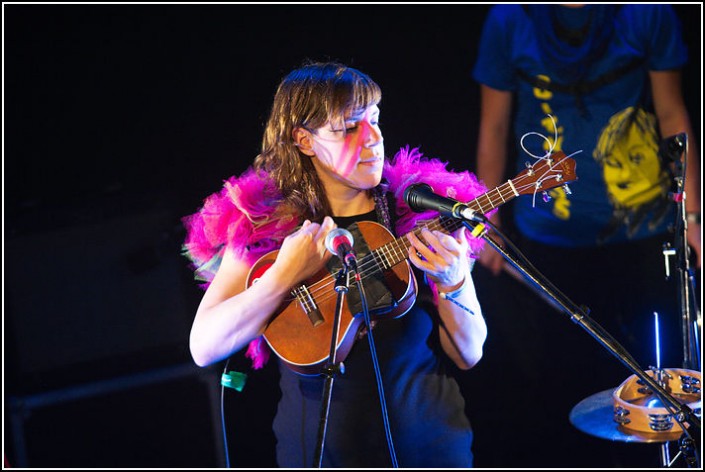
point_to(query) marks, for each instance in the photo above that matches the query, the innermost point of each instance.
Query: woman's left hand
(442, 257)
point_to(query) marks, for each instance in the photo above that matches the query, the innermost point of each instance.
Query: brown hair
(309, 97)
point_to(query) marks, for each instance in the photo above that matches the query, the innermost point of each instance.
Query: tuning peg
(529, 168)
(546, 196)
(567, 190)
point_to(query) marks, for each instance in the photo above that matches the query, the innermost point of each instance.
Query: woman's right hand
(303, 253)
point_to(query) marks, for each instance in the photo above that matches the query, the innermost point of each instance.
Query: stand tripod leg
(665, 455)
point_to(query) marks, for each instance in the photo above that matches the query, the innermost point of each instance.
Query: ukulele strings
(369, 264)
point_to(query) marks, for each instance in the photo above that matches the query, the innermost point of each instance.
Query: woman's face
(350, 152)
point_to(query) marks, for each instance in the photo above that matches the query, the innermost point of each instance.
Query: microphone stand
(672, 149)
(579, 315)
(331, 368)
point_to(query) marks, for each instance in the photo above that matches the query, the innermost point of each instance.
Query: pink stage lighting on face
(353, 147)
(354, 142)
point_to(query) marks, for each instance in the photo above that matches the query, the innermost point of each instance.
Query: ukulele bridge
(308, 305)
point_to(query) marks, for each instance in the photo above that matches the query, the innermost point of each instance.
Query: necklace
(382, 207)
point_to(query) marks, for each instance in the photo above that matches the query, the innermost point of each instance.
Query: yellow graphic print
(561, 204)
(628, 152)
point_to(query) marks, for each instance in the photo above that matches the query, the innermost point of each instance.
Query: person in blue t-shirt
(602, 83)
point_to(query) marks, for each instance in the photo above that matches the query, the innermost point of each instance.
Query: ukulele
(301, 329)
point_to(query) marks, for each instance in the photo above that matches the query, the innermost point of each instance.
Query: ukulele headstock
(546, 173)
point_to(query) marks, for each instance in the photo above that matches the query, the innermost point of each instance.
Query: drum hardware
(633, 412)
(637, 408)
(596, 415)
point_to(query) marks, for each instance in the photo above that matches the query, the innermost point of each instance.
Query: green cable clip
(234, 380)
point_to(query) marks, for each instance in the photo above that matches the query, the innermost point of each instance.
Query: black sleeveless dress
(426, 410)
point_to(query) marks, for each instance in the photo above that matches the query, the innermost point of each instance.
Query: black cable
(378, 375)
(222, 417)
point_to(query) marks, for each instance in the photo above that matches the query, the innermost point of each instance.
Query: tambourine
(638, 408)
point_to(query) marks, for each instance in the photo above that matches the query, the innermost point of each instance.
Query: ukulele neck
(397, 250)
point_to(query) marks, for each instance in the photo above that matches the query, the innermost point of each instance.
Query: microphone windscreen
(336, 237)
(413, 193)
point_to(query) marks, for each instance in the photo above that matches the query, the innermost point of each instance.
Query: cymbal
(594, 416)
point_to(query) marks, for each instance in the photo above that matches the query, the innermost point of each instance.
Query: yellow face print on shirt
(628, 152)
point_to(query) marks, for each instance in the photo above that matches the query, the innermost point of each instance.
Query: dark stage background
(119, 120)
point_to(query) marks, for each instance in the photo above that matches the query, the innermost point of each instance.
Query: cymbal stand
(674, 150)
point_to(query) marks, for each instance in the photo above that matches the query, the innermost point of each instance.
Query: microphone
(420, 197)
(339, 241)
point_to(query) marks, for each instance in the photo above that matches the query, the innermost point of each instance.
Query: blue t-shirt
(622, 187)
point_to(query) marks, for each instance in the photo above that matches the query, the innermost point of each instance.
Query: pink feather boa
(242, 216)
